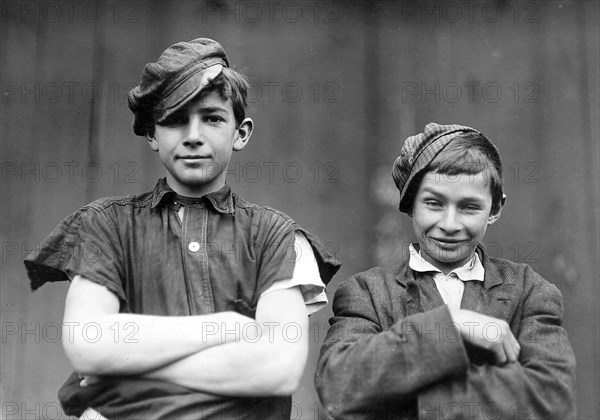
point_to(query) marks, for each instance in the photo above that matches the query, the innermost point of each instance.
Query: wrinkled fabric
(220, 257)
(393, 352)
(180, 73)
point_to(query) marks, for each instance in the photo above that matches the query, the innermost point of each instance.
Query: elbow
(83, 364)
(287, 386)
(285, 374)
(86, 358)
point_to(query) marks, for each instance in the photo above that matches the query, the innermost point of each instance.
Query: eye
(174, 120)
(471, 208)
(213, 119)
(433, 203)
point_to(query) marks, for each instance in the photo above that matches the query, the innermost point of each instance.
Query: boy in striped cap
(448, 332)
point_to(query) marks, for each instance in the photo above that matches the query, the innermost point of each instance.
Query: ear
(244, 131)
(496, 214)
(151, 137)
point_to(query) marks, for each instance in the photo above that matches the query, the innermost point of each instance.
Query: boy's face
(450, 216)
(196, 142)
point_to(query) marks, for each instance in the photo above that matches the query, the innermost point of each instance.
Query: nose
(449, 222)
(194, 136)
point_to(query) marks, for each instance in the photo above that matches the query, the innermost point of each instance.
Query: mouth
(194, 158)
(448, 243)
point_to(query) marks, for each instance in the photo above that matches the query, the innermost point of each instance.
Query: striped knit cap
(418, 152)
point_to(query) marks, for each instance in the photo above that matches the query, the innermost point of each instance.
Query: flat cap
(179, 74)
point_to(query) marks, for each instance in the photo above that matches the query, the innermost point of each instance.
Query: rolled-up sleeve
(306, 276)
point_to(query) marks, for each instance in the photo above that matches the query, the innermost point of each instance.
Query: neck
(446, 268)
(194, 191)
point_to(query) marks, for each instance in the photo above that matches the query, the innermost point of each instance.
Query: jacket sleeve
(539, 386)
(364, 367)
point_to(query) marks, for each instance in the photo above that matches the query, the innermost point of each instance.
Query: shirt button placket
(196, 261)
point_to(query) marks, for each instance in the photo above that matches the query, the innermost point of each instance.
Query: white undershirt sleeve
(306, 275)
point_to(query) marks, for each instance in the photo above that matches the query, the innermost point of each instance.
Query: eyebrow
(470, 199)
(430, 191)
(212, 109)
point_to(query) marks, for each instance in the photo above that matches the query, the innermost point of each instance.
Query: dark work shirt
(220, 256)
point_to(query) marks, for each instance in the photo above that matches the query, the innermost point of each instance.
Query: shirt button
(194, 246)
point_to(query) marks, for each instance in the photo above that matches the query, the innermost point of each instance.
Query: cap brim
(421, 163)
(186, 91)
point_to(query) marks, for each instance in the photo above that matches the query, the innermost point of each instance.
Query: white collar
(471, 270)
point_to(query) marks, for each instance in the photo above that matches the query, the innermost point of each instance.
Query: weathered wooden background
(336, 88)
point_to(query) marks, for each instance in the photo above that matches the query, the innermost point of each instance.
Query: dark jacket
(393, 352)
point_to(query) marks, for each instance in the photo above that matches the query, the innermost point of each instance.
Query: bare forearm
(111, 344)
(239, 369)
(269, 360)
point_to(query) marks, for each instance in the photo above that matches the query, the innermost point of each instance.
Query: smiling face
(450, 216)
(195, 144)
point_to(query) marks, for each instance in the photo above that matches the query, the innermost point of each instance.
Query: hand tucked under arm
(539, 386)
(487, 332)
(100, 341)
(268, 363)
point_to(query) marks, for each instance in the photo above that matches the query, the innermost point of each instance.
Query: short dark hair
(470, 153)
(231, 84)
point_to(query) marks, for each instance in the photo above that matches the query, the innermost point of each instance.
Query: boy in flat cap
(198, 299)
(448, 332)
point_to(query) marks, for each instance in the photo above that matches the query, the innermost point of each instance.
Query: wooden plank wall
(336, 88)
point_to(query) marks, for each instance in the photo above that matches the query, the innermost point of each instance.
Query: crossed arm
(223, 353)
(364, 368)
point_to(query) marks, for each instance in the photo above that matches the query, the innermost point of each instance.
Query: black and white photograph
(300, 210)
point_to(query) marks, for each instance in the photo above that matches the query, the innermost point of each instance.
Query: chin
(194, 180)
(451, 257)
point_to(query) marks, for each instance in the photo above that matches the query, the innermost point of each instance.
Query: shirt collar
(472, 270)
(221, 200)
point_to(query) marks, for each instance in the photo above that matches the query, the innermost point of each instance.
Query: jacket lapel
(430, 295)
(421, 292)
(494, 296)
